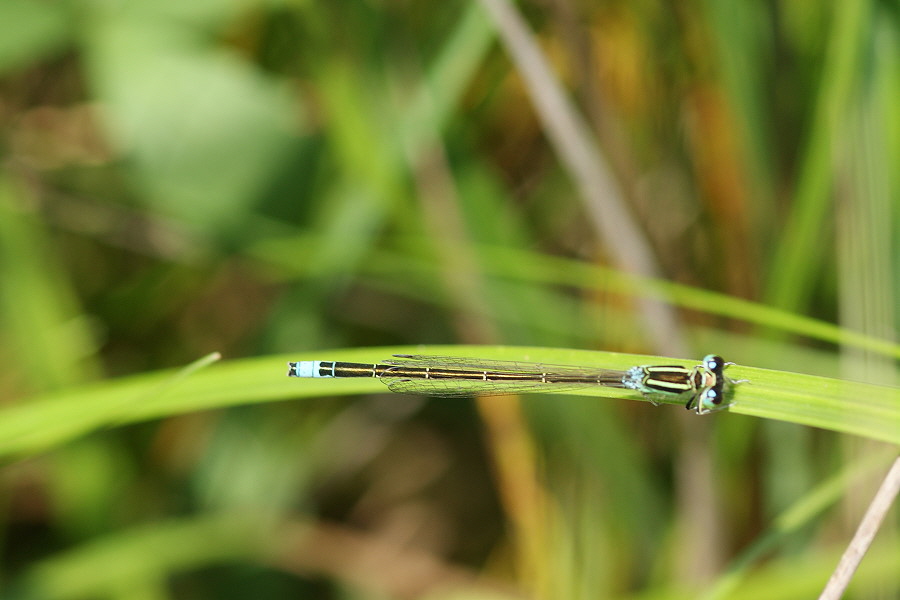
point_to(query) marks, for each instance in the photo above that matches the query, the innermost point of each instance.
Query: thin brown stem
(861, 541)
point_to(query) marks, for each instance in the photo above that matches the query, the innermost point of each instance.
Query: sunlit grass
(268, 181)
(843, 406)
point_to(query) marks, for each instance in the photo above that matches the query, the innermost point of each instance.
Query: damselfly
(703, 385)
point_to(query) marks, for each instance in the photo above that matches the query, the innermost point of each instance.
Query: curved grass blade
(43, 422)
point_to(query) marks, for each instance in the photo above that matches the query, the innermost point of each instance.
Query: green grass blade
(141, 556)
(867, 410)
(547, 269)
(799, 256)
(40, 316)
(861, 409)
(799, 514)
(531, 267)
(54, 419)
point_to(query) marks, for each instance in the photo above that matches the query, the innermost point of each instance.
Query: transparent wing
(459, 388)
(400, 382)
(498, 366)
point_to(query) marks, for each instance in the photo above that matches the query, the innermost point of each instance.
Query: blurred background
(261, 178)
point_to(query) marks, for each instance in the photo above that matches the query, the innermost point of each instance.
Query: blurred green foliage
(264, 178)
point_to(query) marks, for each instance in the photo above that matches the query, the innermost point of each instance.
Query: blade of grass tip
(861, 541)
(160, 390)
(800, 513)
(601, 195)
(40, 425)
(191, 368)
(113, 413)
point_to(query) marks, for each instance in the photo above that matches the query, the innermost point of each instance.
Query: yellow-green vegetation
(234, 185)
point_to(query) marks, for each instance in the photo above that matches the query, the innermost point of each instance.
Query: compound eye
(713, 363)
(712, 397)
